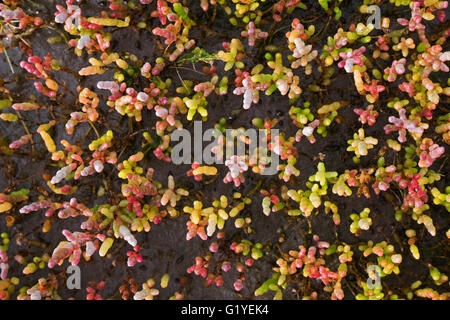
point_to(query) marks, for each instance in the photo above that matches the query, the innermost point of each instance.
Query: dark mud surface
(164, 248)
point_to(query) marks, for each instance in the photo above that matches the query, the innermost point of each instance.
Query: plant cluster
(350, 109)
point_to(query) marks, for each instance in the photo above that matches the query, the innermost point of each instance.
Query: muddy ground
(164, 248)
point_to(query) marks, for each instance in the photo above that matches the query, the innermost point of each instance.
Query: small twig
(93, 127)
(7, 57)
(26, 130)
